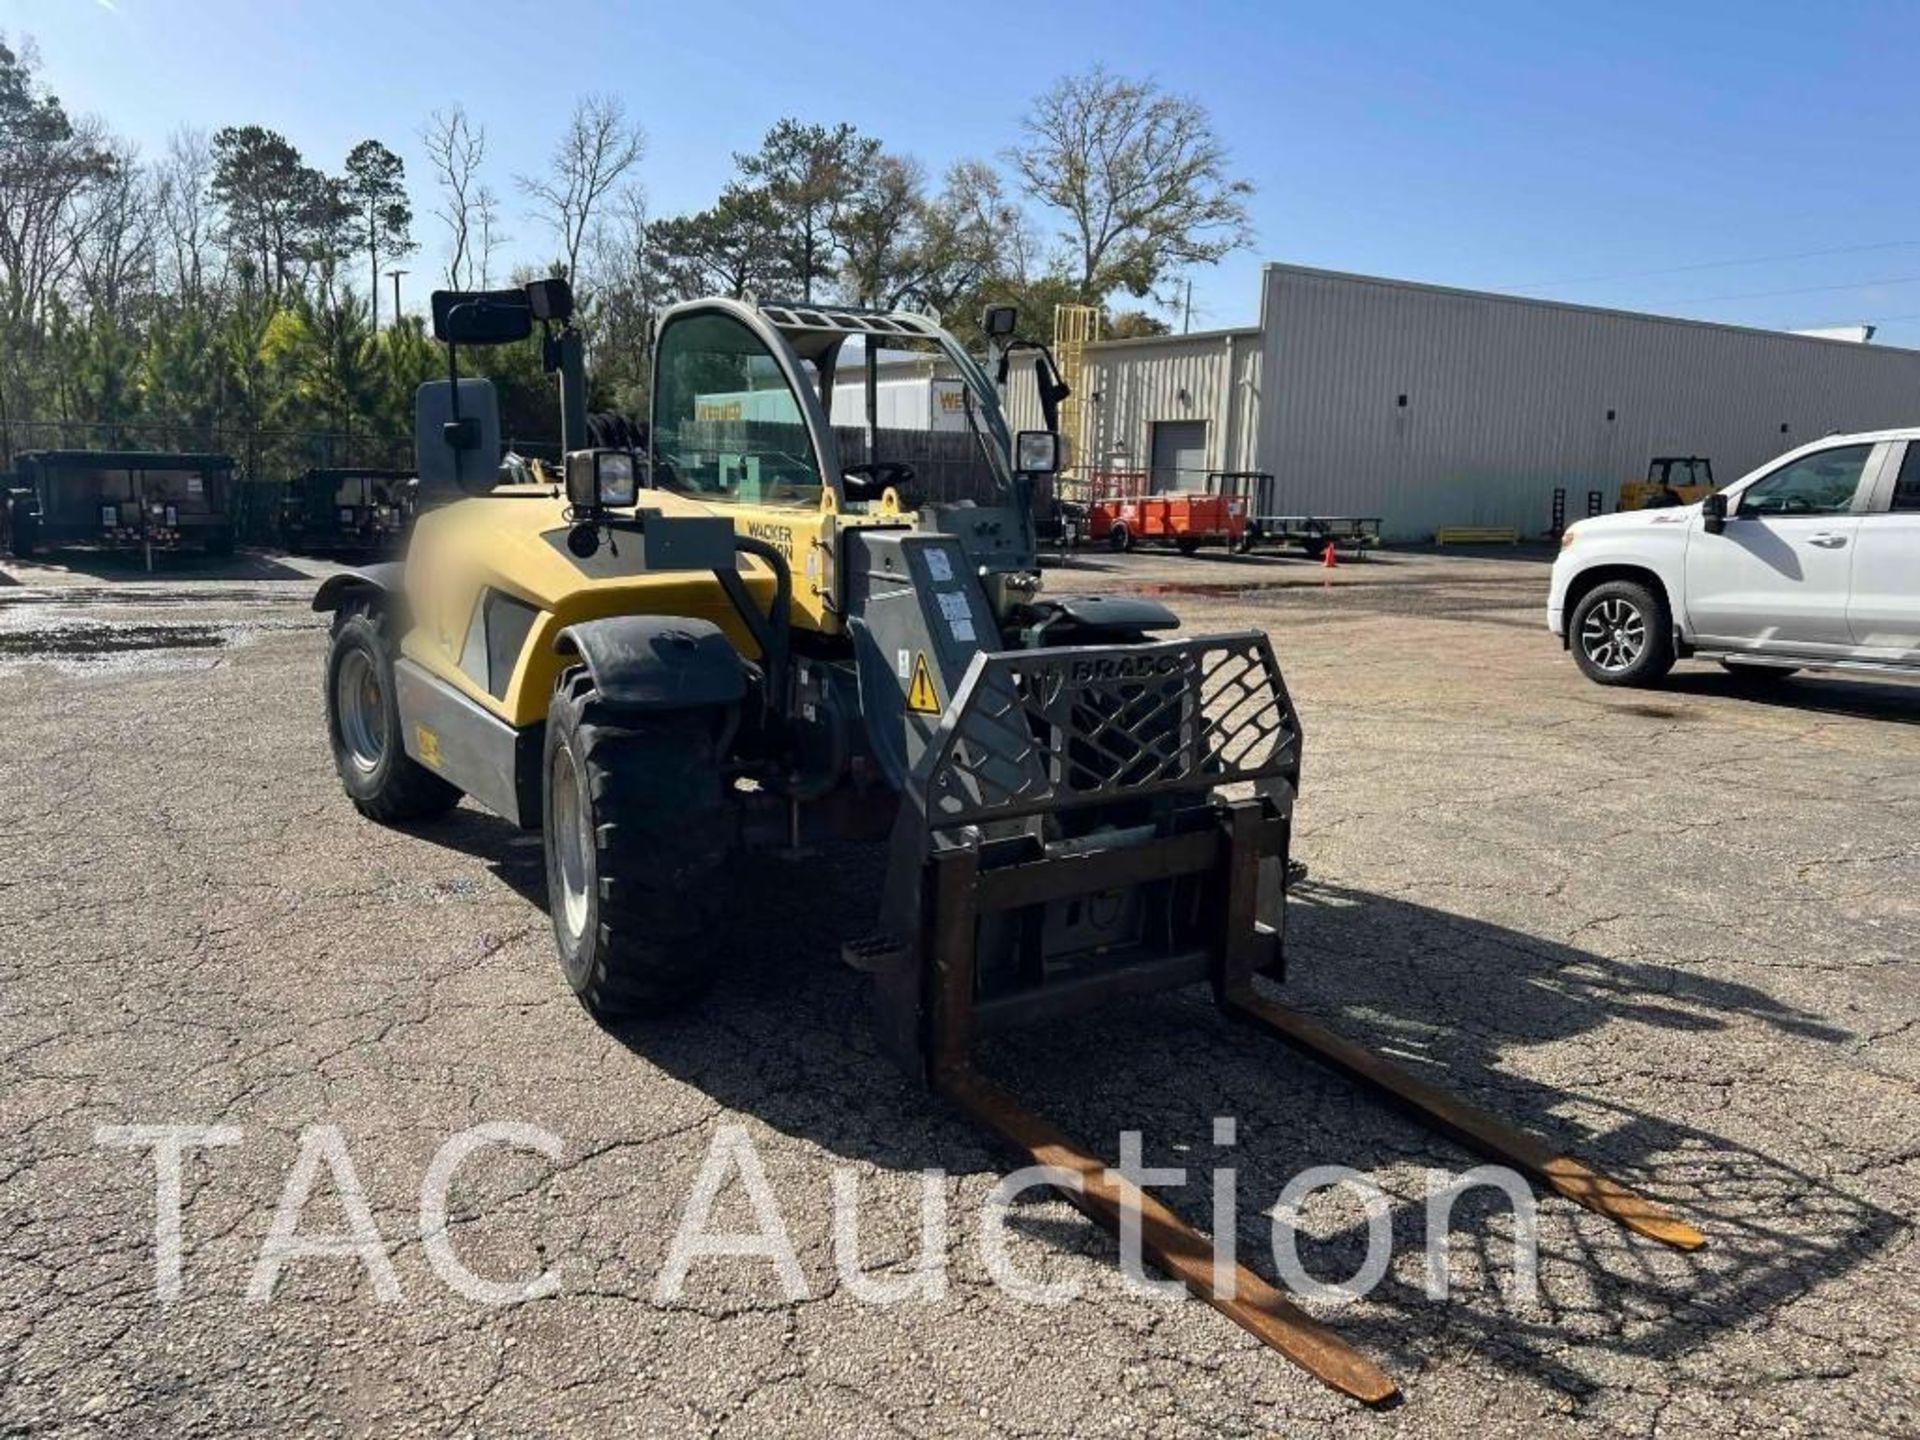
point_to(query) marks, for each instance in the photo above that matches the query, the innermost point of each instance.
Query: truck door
(1777, 579)
(1883, 611)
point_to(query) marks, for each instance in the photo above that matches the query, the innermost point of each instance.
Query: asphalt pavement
(1676, 931)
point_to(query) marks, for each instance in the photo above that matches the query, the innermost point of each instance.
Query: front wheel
(637, 834)
(363, 726)
(1621, 634)
(1120, 538)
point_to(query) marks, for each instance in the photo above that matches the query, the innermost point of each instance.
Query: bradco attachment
(1086, 823)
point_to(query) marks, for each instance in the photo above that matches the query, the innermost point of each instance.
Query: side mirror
(1036, 452)
(1713, 514)
(456, 439)
(482, 317)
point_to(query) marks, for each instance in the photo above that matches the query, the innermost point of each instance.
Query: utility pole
(395, 275)
(1186, 318)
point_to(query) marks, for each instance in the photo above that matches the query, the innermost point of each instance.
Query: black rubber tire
(397, 788)
(650, 784)
(1187, 546)
(23, 528)
(1119, 537)
(1655, 656)
(1758, 674)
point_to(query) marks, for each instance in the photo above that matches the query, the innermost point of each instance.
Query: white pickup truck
(1810, 562)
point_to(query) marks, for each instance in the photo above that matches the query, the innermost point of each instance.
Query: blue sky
(1583, 152)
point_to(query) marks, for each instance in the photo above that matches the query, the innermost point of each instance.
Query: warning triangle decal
(920, 694)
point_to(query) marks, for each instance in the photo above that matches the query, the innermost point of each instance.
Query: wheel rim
(570, 839)
(361, 703)
(1614, 634)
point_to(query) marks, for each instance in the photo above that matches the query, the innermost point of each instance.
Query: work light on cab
(601, 479)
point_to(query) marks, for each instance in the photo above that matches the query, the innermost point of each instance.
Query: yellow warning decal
(428, 744)
(920, 694)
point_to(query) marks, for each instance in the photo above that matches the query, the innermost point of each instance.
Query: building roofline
(1607, 310)
(1192, 336)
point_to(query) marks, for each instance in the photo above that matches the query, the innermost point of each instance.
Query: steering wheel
(874, 476)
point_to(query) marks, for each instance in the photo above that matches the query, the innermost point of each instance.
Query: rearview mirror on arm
(456, 436)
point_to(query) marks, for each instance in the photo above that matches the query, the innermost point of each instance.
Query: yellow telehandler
(724, 615)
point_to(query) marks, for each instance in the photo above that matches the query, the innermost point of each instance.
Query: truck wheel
(1621, 634)
(1187, 546)
(636, 832)
(1119, 537)
(23, 528)
(363, 726)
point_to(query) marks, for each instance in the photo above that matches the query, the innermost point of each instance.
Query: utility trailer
(1267, 528)
(1126, 511)
(120, 500)
(359, 512)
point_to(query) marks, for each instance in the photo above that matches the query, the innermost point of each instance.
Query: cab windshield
(930, 421)
(727, 425)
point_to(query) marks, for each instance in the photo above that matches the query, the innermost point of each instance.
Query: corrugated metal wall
(1212, 377)
(1506, 399)
(1132, 383)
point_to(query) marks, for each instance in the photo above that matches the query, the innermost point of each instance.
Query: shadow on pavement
(169, 567)
(784, 1037)
(1824, 693)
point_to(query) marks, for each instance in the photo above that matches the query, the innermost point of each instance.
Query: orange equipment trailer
(1124, 512)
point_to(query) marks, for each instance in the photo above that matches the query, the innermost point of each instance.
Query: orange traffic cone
(1327, 561)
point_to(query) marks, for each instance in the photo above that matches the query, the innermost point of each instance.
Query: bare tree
(455, 148)
(599, 147)
(185, 215)
(1139, 177)
(113, 235)
(48, 162)
(488, 236)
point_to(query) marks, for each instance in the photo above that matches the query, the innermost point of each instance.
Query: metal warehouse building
(1433, 407)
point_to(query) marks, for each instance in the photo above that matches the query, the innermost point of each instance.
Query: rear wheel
(1119, 537)
(1187, 546)
(1621, 634)
(23, 527)
(363, 725)
(636, 833)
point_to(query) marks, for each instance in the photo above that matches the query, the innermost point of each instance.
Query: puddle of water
(83, 642)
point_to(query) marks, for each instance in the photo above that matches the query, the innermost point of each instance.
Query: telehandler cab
(727, 620)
